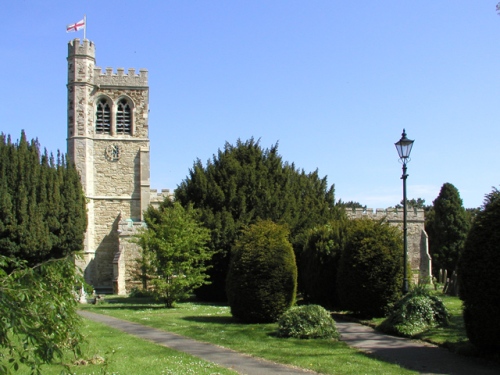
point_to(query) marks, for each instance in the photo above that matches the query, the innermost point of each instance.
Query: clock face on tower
(112, 152)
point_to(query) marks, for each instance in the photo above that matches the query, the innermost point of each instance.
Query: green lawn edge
(110, 351)
(214, 324)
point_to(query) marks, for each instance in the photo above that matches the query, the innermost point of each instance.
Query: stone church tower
(108, 142)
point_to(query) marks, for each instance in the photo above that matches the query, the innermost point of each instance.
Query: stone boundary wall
(392, 214)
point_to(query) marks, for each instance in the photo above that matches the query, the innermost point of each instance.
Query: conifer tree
(449, 229)
(479, 268)
(42, 216)
(244, 183)
(42, 206)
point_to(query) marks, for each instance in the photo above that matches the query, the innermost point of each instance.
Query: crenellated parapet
(86, 48)
(120, 78)
(391, 214)
(156, 198)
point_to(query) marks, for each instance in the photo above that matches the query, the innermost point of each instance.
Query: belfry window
(123, 118)
(103, 117)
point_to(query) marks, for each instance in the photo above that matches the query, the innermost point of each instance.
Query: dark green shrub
(307, 322)
(449, 229)
(262, 278)
(136, 292)
(242, 183)
(319, 264)
(415, 313)
(370, 272)
(479, 269)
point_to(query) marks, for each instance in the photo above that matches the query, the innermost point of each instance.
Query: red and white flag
(75, 26)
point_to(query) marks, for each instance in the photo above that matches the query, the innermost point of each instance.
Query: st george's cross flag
(76, 26)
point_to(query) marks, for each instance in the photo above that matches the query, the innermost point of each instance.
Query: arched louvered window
(103, 117)
(123, 118)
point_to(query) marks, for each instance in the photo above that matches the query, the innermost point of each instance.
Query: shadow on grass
(212, 319)
(128, 303)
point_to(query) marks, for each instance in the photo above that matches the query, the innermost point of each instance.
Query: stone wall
(125, 265)
(125, 260)
(117, 189)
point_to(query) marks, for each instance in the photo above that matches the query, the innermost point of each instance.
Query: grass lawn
(453, 336)
(109, 351)
(214, 324)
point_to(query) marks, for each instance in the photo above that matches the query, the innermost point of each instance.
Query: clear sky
(334, 82)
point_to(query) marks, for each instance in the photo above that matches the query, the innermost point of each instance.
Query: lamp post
(404, 146)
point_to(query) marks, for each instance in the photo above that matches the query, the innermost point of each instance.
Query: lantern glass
(403, 146)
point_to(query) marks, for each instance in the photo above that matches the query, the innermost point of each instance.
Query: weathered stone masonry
(113, 164)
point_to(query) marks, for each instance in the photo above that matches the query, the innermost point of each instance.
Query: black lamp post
(404, 146)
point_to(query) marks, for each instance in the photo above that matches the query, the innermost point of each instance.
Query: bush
(262, 277)
(136, 292)
(370, 272)
(478, 272)
(415, 313)
(319, 264)
(307, 322)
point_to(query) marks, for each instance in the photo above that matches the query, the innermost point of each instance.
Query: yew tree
(243, 183)
(42, 204)
(449, 228)
(42, 226)
(479, 268)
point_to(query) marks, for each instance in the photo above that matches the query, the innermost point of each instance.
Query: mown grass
(109, 351)
(452, 336)
(214, 324)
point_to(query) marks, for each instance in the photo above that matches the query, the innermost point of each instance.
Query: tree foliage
(352, 204)
(174, 251)
(319, 263)
(479, 268)
(370, 272)
(262, 277)
(42, 217)
(38, 313)
(42, 205)
(414, 203)
(244, 183)
(448, 229)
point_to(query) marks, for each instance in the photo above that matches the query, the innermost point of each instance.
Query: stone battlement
(87, 48)
(391, 214)
(157, 198)
(131, 79)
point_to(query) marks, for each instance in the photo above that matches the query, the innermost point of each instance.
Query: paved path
(411, 354)
(415, 355)
(243, 364)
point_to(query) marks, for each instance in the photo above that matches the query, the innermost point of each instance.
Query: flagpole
(84, 26)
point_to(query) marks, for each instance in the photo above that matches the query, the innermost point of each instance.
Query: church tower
(109, 143)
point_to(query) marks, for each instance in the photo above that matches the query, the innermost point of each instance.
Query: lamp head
(404, 146)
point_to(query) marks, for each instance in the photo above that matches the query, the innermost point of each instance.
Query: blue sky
(334, 82)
